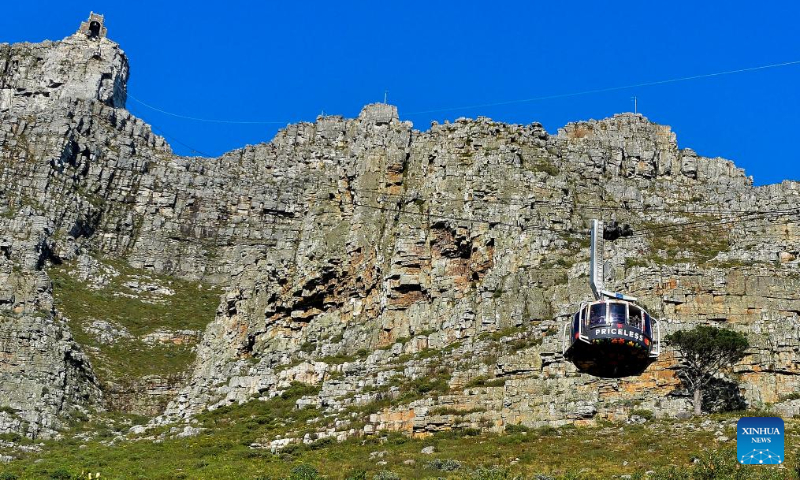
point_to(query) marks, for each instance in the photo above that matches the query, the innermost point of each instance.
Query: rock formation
(425, 273)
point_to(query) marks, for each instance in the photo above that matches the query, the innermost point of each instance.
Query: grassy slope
(192, 307)
(223, 450)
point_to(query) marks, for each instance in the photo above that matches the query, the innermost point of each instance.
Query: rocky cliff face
(420, 279)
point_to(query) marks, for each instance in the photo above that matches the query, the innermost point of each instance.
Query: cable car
(611, 336)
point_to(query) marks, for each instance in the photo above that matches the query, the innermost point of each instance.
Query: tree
(706, 351)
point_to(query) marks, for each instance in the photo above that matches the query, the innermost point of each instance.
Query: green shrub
(304, 472)
(11, 437)
(717, 464)
(294, 449)
(8, 410)
(397, 438)
(546, 167)
(547, 431)
(338, 359)
(491, 473)
(357, 475)
(455, 433)
(791, 396)
(444, 465)
(524, 343)
(322, 443)
(61, 474)
(299, 389)
(386, 475)
(517, 429)
(670, 473)
(644, 413)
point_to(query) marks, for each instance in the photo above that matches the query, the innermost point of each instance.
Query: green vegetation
(256, 418)
(340, 358)
(671, 450)
(531, 339)
(526, 342)
(414, 389)
(506, 332)
(790, 396)
(542, 165)
(644, 413)
(631, 262)
(192, 307)
(705, 351)
(8, 410)
(699, 243)
(484, 381)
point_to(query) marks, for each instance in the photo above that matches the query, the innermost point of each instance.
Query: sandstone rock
(138, 429)
(372, 260)
(175, 337)
(107, 332)
(188, 431)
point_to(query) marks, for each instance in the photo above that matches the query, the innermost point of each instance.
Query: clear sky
(289, 61)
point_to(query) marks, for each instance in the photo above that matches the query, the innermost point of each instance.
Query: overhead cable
(492, 104)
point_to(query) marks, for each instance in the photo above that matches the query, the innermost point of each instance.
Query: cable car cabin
(612, 338)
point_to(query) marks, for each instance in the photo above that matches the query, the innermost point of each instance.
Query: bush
(446, 465)
(294, 448)
(491, 473)
(517, 429)
(304, 472)
(357, 475)
(322, 443)
(299, 389)
(717, 464)
(670, 473)
(547, 431)
(61, 474)
(644, 413)
(790, 396)
(386, 475)
(397, 438)
(455, 433)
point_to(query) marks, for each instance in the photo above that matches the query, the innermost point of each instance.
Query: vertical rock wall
(356, 252)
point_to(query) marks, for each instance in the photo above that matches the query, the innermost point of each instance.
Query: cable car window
(597, 315)
(575, 323)
(634, 317)
(647, 325)
(618, 313)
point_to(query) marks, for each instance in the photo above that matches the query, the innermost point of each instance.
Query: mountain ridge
(413, 271)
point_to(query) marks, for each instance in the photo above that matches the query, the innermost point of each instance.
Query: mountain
(413, 281)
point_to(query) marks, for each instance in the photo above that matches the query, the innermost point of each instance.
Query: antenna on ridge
(386, 96)
(635, 104)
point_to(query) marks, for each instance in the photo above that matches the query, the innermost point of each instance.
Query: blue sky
(289, 61)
